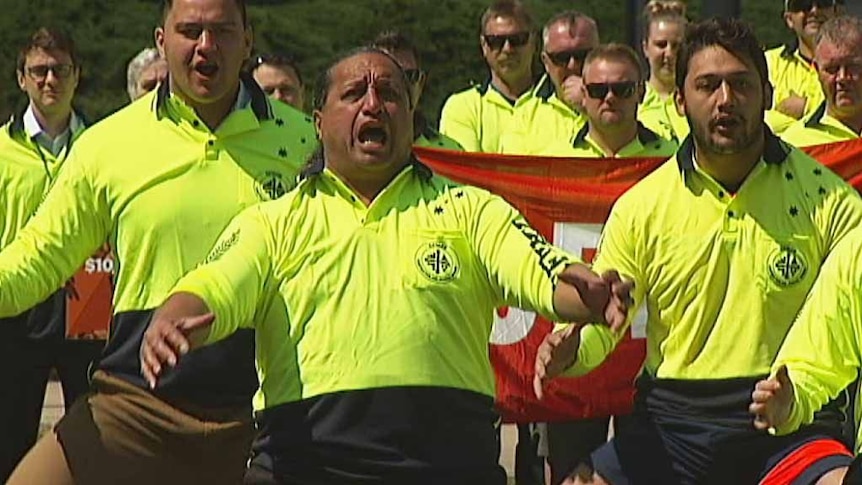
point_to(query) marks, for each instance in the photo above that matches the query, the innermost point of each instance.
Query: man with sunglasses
(556, 112)
(723, 242)
(613, 86)
(33, 147)
(482, 117)
(796, 90)
(279, 77)
(400, 47)
(838, 59)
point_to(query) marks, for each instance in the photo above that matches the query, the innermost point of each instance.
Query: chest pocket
(434, 259)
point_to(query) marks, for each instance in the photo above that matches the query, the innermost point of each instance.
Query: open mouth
(372, 136)
(206, 69)
(726, 123)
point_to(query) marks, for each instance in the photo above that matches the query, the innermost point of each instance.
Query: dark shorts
(674, 445)
(121, 434)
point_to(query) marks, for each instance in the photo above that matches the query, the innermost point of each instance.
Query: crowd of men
(298, 299)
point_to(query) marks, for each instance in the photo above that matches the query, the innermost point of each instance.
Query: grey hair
(570, 18)
(136, 66)
(841, 30)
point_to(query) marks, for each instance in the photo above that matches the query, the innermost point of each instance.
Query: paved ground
(53, 411)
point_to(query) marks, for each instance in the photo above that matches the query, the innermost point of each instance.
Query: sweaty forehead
(364, 65)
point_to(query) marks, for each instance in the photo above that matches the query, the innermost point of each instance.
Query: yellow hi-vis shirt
(544, 120)
(790, 73)
(658, 113)
(645, 144)
(399, 293)
(159, 186)
(819, 129)
(27, 171)
(823, 350)
(721, 275)
(480, 118)
(427, 136)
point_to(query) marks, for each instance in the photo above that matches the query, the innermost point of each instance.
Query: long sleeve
(70, 224)
(232, 279)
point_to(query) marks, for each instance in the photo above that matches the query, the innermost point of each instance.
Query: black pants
(24, 369)
(570, 444)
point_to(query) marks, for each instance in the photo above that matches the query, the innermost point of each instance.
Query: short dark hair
(275, 60)
(167, 4)
(617, 52)
(393, 41)
(507, 8)
(733, 35)
(324, 80)
(48, 39)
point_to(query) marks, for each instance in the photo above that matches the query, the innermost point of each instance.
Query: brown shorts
(123, 435)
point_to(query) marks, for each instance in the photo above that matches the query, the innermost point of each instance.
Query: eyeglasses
(624, 89)
(414, 75)
(562, 58)
(806, 5)
(496, 42)
(40, 72)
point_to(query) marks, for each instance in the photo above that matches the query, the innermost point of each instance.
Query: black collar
(791, 48)
(775, 151)
(260, 104)
(545, 89)
(816, 116)
(645, 135)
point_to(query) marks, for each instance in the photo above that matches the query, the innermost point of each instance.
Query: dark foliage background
(110, 32)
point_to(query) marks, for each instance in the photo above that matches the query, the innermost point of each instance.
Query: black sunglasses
(562, 58)
(496, 42)
(806, 5)
(624, 89)
(414, 75)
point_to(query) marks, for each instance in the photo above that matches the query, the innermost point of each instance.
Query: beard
(742, 140)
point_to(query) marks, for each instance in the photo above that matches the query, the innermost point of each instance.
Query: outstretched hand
(557, 352)
(165, 341)
(772, 400)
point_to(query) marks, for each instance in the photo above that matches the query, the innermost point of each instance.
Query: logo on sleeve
(438, 261)
(222, 247)
(787, 266)
(271, 185)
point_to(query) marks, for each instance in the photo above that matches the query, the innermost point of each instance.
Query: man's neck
(512, 89)
(53, 124)
(850, 120)
(730, 170)
(367, 185)
(806, 50)
(614, 138)
(212, 114)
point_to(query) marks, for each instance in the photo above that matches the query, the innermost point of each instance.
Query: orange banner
(88, 298)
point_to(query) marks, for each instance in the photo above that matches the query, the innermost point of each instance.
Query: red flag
(568, 200)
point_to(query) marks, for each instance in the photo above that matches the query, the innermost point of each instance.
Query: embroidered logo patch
(787, 266)
(438, 261)
(271, 186)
